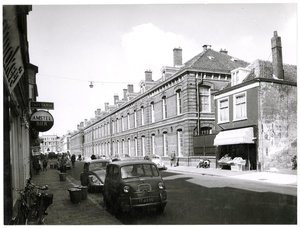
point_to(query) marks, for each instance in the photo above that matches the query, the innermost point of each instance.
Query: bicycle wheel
(20, 218)
(33, 216)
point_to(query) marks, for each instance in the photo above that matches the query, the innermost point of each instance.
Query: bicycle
(32, 206)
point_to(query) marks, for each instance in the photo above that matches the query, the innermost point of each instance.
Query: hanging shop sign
(41, 121)
(41, 105)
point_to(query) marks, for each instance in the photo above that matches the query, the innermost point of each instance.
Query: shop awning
(237, 136)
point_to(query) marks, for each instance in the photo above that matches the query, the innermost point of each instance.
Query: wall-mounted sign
(13, 66)
(41, 121)
(36, 150)
(41, 105)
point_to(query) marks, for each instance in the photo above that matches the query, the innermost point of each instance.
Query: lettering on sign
(41, 121)
(12, 59)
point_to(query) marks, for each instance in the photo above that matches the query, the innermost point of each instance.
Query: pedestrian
(173, 159)
(45, 164)
(93, 157)
(73, 158)
(63, 162)
(36, 165)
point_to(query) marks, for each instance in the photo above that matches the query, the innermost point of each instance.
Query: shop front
(236, 149)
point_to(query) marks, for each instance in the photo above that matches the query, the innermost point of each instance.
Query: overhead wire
(85, 80)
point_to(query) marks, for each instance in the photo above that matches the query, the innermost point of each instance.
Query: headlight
(126, 189)
(161, 185)
(95, 180)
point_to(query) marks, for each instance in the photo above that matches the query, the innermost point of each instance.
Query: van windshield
(139, 170)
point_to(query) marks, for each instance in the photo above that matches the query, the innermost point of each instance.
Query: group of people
(40, 164)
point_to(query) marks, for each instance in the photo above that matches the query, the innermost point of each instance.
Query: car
(93, 174)
(157, 160)
(118, 157)
(131, 184)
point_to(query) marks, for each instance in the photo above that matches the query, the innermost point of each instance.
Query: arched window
(178, 102)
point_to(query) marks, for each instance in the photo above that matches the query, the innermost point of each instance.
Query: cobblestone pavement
(63, 211)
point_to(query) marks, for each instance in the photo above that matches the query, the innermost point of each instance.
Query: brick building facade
(165, 114)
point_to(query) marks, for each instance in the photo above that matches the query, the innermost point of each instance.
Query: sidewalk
(63, 211)
(283, 177)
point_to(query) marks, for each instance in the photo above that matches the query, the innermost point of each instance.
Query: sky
(112, 45)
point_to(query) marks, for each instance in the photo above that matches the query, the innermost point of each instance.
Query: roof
(213, 61)
(97, 161)
(264, 69)
(131, 162)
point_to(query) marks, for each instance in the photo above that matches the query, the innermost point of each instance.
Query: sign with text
(41, 121)
(41, 105)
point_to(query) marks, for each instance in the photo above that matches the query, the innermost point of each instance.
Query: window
(143, 145)
(178, 99)
(122, 122)
(179, 142)
(240, 111)
(129, 146)
(142, 115)
(224, 110)
(153, 143)
(152, 112)
(135, 121)
(205, 130)
(164, 107)
(204, 99)
(135, 146)
(128, 121)
(165, 144)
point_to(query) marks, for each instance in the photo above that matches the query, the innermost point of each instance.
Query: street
(203, 199)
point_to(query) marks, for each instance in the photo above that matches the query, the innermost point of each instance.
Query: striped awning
(237, 136)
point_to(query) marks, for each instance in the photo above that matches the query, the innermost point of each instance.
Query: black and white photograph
(150, 113)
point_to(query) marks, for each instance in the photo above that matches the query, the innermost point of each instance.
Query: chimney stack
(130, 88)
(116, 98)
(206, 47)
(106, 106)
(148, 75)
(177, 56)
(224, 51)
(277, 56)
(125, 94)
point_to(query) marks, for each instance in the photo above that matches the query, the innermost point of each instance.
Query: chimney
(130, 88)
(177, 56)
(106, 106)
(125, 94)
(116, 98)
(224, 51)
(206, 47)
(277, 56)
(148, 75)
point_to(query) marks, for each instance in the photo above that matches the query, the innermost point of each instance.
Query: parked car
(133, 184)
(157, 160)
(119, 157)
(93, 174)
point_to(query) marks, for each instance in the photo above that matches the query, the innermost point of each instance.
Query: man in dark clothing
(73, 158)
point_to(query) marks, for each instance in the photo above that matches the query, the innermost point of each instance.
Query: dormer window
(238, 75)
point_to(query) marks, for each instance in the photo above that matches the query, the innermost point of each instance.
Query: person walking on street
(73, 158)
(173, 159)
(45, 164)
(63, 162)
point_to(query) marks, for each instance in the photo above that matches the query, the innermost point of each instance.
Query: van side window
(115, 175)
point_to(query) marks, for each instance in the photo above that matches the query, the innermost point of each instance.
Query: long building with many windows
(165, 115)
